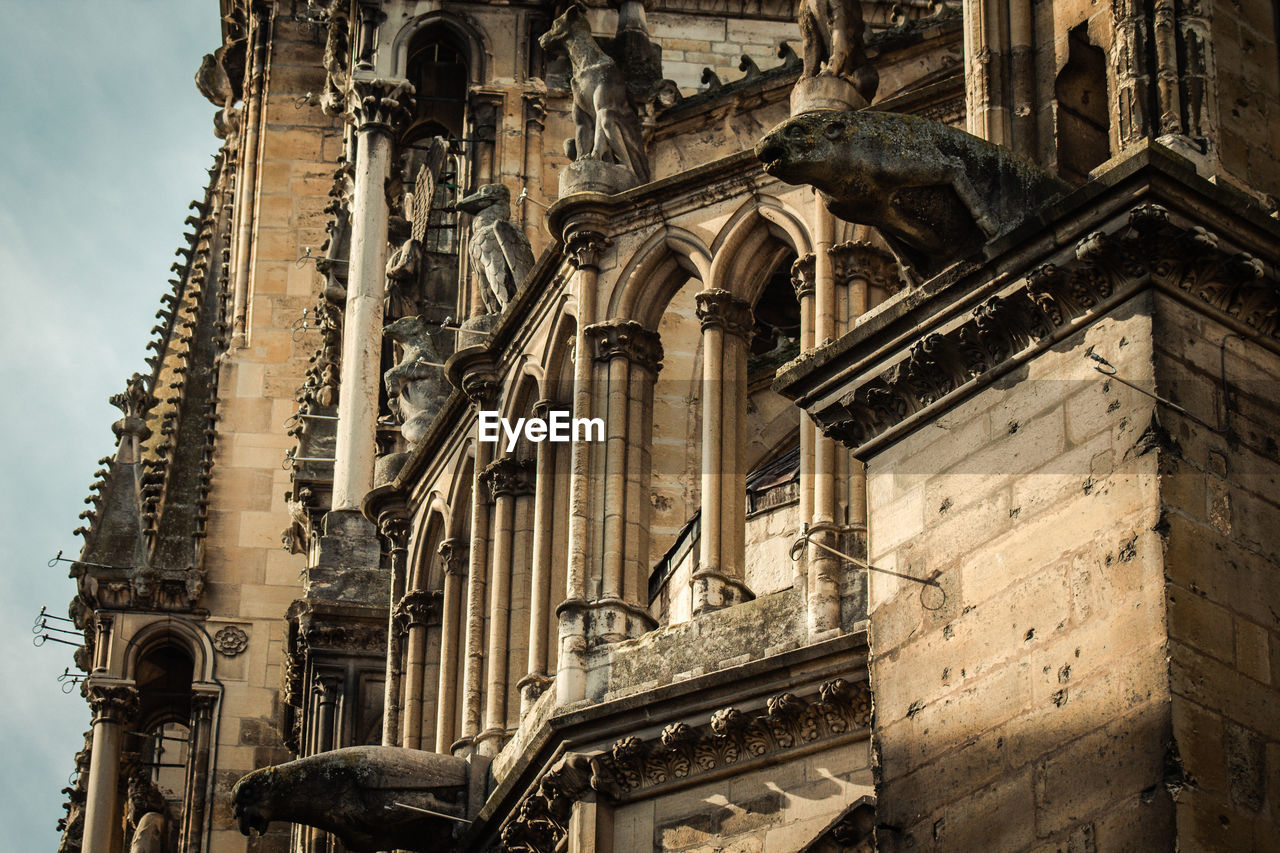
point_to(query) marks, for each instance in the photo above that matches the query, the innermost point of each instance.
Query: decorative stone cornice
(111, 703)
(626, 339)
(1045, 303)
(454, 554)
(419, 608)
(508, 477)
(721, 309)
(682, 751)
(378, 104)
(803, 274)
(732, 736)
(857, 259)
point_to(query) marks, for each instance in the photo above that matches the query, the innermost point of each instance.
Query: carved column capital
(455, 553)
(857, 259)
(202, 704)
(535, 111)
(111, 703)
(508, 477)
(480, 388)
(395, 529)
(485, 109)
(585, 248)
(420, 608)
(803, 275)
(378, 104)
(626, 339)
(721, 309)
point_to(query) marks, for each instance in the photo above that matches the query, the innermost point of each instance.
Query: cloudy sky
(106, 142)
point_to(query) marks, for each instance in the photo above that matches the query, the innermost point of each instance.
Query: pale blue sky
(105, 142)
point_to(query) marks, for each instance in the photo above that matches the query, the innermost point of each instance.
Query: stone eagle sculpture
(935, 193)
(606, 123)
(416, 385)
(372, 797)
(499, 251)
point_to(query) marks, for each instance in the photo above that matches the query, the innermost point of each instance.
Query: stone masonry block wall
(1244, 35)
(1029, 709)
(1222, 567)
(250, 577)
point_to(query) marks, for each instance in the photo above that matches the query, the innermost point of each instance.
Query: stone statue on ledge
(499, 251)
(372, 797)
(935, 193)
(416, 385)
(605, 120)
(837, 73)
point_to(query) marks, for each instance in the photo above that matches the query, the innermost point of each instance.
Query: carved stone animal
(831, 32)
(499, 250)
(935, 193)
(605, 120)
(416, 384)
(360, 794)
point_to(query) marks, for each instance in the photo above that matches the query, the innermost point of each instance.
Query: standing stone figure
(499, 251)
(416, 386)
(606, 122)
(832, 33)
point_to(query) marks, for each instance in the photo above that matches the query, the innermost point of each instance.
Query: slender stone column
(393, 523)
(376, 104)
(536, 680)
(861, 268)
(481, 391)
(114, 706)
(247, 180)
(505, 479)
(202, 705)
(631, 356)
(715, 584)
(415, 613)
(824, 567)
(802, 281)
(454, 554)
(583, 248)
(535, 121)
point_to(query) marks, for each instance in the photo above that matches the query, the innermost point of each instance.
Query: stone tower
(929, 510)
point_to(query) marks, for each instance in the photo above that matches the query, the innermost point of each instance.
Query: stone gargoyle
(606, 122)
(935, 193)
(416, 385)
(371, 797)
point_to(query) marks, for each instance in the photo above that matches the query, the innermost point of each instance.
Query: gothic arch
(750, 245)
(474, 39)
(179, 631)
(656, 273)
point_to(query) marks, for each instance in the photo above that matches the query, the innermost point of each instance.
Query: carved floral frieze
(730, 736)
(1050, 298)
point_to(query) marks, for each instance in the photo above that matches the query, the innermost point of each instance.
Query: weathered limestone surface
(1038, 686)
(1219, 517)
(252, 579)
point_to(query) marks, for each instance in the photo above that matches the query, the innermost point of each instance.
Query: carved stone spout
(935, 193)
(372, 797)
